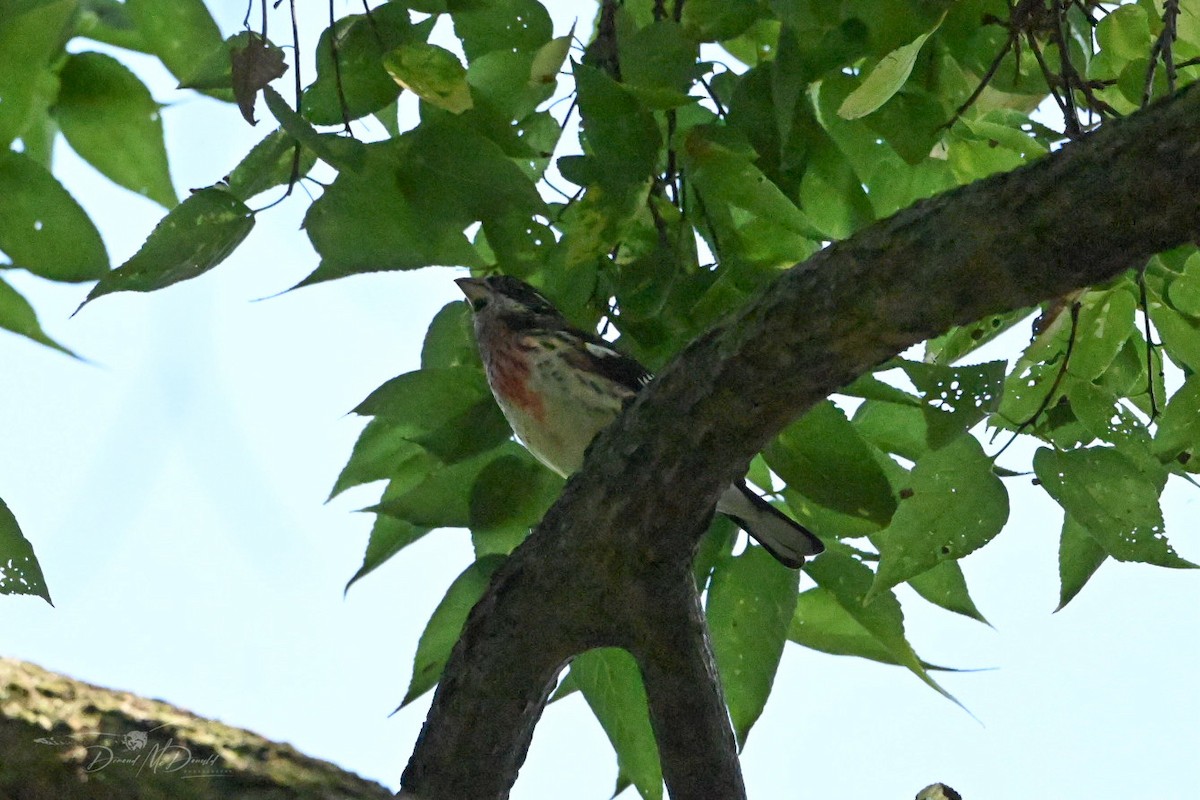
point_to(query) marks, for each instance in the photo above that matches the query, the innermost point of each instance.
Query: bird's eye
(478, 303)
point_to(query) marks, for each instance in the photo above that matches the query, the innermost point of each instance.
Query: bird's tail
(783, 537)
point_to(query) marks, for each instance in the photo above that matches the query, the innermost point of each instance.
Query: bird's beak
(473, 288)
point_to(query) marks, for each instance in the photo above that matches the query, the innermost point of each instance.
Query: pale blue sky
(174, 491)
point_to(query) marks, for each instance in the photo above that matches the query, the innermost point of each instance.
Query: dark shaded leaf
(193, 238)
(253, 65)
(515, 25)
(42, 228)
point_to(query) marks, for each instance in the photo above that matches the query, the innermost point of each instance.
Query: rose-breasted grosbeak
(559, 386)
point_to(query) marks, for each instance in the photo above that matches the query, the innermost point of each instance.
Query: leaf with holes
(190, 240)
(1105, 492)
(20, 572)
(955, 398)
(954, 505)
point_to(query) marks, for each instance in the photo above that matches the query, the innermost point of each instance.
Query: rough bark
(62, 739)
(607, 566)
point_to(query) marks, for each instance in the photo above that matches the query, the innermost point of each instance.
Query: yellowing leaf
(432, 73)
(885, 80)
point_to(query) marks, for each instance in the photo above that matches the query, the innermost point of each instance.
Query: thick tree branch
(612, 552)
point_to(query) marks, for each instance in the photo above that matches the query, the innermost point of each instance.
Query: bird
(558, 386)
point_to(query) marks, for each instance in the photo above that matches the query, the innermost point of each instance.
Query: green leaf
(18, 316)
(109, 21)
(513, 25)
(362, 42)
(450, 342)
(820, 623)
(549, 60)
(954, 505)
(750, 606)
(1125, 32)
(512, 491)
(965, 339)
(190, 240)
(822, 456)
(658, 57)
(725, 177)
(955, 398)
(448, 411)
(29, 39)
(269, 164)
(384, 450)
(848, 582)
(388, 537)
(343, 154)
(446, 624)
(20, 572)
(366, 222)
(1106, 319)
(945, 586)
(432, 73)
(885, 79)
(622, 137)
(1106, 493)
(612, 684)
(443, 498)
(180, 32)
(1178, 433)
(112, 122)
(1079, 556)
(42, 228)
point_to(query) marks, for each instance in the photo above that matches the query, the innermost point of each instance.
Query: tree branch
(613, 552)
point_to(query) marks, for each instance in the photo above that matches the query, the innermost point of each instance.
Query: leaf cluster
(719, 142)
